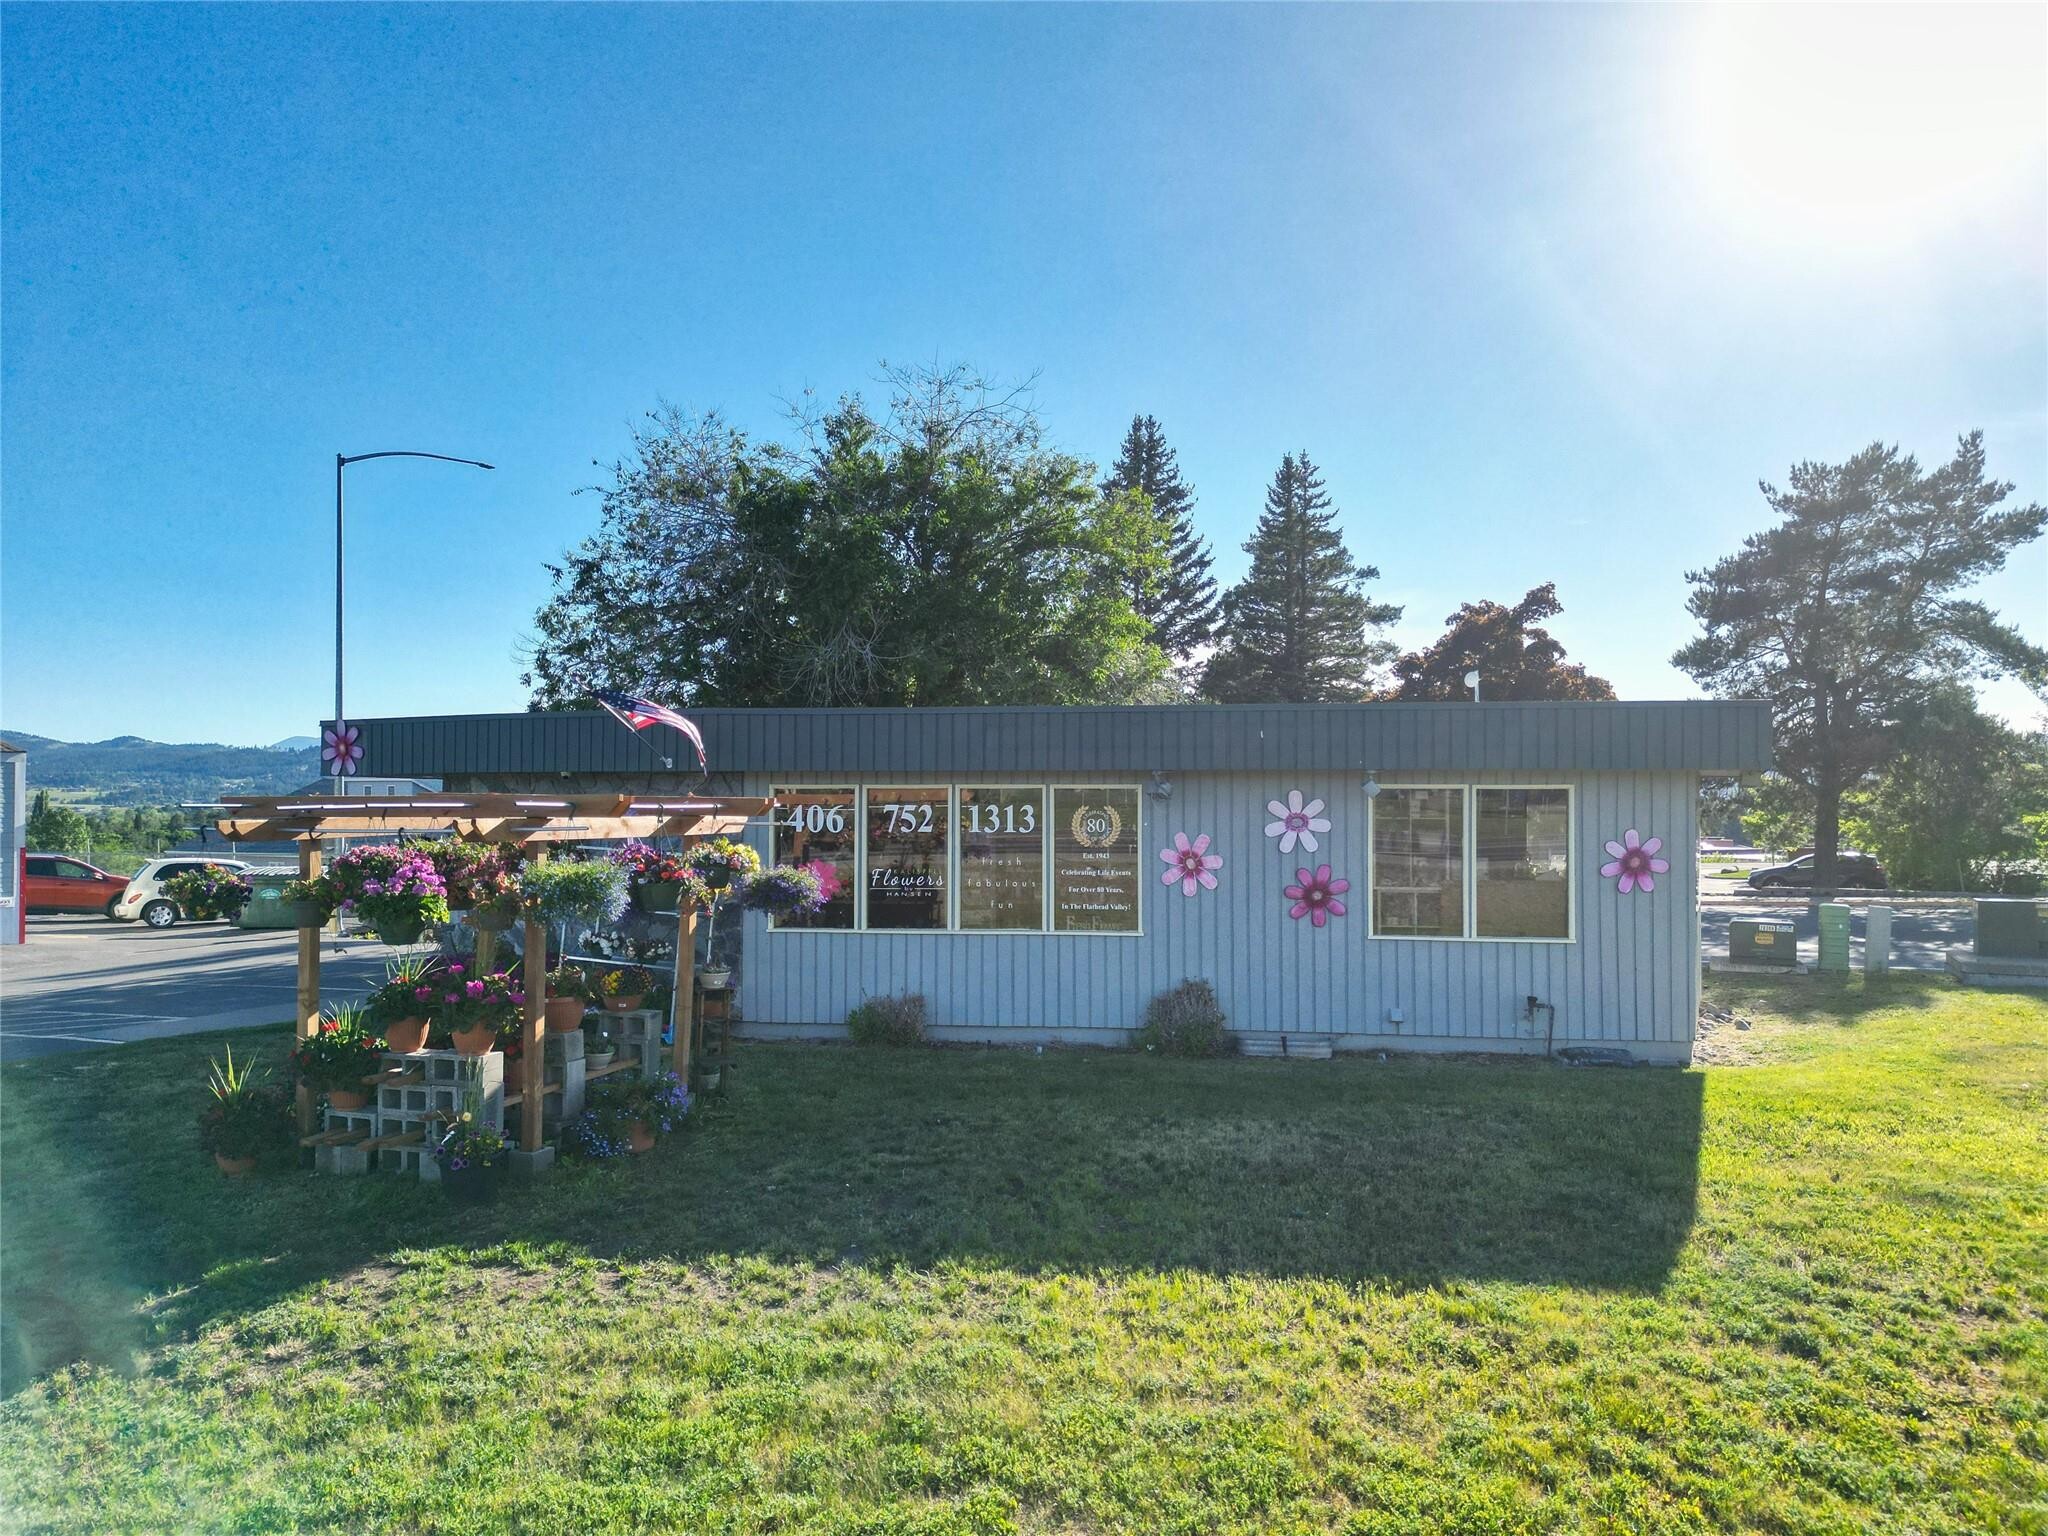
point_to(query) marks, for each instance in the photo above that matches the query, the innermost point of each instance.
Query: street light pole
(342, 462)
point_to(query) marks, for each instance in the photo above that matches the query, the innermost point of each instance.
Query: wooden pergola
(533, 822)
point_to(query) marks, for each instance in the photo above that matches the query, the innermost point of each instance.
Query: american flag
(638, 714)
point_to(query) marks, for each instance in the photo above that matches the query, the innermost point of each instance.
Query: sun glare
(1864, 124)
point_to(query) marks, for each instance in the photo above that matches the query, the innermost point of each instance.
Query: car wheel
(160, 914)
(109, 909)
(1769, 885)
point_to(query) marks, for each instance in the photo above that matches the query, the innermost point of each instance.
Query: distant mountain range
(129, 770)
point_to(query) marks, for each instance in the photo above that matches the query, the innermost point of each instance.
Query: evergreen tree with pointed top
(1299, 628)
(1182, 606)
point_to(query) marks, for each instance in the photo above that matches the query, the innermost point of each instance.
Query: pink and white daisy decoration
(1296, 823)
(1315, 895)
(341, 747)
(1190, 863)
(1635, 860)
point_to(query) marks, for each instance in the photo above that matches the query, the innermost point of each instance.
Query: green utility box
(267, 907)
(1763, 941)
(2010, 928)
(1834, 936)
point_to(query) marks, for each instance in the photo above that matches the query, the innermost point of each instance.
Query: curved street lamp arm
(407, 453)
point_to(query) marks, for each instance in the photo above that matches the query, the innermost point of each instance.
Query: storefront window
(1002, 859)
(1095, 860)
(907, 857)
(818, 828)
(1522, 858)
(1418, 863)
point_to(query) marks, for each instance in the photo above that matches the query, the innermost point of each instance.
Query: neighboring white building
(13, 841)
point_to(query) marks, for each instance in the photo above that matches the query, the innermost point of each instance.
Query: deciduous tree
(1514, 657)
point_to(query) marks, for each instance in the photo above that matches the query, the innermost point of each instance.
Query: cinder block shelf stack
(412, 1101)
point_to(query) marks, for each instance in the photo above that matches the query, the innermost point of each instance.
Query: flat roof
(1704, 736)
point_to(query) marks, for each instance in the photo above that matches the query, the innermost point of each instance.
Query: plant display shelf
(413, 1096)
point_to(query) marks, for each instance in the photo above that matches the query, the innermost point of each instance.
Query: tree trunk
(1827, 829)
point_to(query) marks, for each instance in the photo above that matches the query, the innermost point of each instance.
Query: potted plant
(244, 1117)
(474, 1008)
(657, 882)
(622, 988)
(396, 891)
(404, 1005)
(482, 880)
(627, 1113)
(716, 863)
(574, 891)
(470, 1153)
(598, 1050)
(208, 892)
(568, 997)
(786, 891)
(338, 1055)
(310, 902)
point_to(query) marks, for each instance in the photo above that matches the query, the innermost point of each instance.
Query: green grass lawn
(979, 1291)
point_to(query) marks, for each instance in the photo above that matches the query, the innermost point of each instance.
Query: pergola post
(682, 1008)
(534, 1057)
(308, 1019)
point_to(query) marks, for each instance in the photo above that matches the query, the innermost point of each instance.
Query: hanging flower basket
(401, 927)
(658, 897)
(396, 891)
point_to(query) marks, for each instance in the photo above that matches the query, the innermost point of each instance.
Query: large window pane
(1522, 863)
(1002, 858)
(1418, 863)
(907, 857)
(1095, 860)
(819, 828)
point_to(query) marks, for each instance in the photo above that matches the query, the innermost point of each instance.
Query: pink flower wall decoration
(1190, 863)
(341, 747)
(1296, 823)
(1315, 895)
(1635, 860)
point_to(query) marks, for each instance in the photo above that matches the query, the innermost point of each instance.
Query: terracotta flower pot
(639, 1137)
(625, 1003)
(343, 1098)
(479, 1040)
(564, 1014)
(238, 1166)
(406, 1036)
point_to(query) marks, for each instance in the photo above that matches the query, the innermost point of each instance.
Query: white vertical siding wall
(1631, 978)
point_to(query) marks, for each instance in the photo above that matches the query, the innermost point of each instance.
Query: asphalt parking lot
(81, 982)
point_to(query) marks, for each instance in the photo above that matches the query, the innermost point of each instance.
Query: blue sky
(1545, 291)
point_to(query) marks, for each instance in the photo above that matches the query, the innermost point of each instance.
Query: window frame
(1044, 793)
(859, 850)
(1047, 789)
(1051, 893)
(1468, 858)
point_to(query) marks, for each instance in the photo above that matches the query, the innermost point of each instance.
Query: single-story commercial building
(1486, 876)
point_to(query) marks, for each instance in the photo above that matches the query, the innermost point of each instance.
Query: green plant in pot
(336, 1058)
(396, 891)
(471, 1154)
(627, 1112)
(404, 1006)
(716, 864)
(482, 880)
(623, 988)
(568, 998)
(658, 882)
(599, 1050)
(245, 1116)
(310, 902)
(208, 892)
(576, 891)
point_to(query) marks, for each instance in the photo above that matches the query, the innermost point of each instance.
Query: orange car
(54, 883)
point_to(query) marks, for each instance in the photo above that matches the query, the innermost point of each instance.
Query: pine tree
(1182, 608)
(1299, 627)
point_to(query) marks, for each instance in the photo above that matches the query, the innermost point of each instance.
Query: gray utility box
(1763, 941)
(2010, 928)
